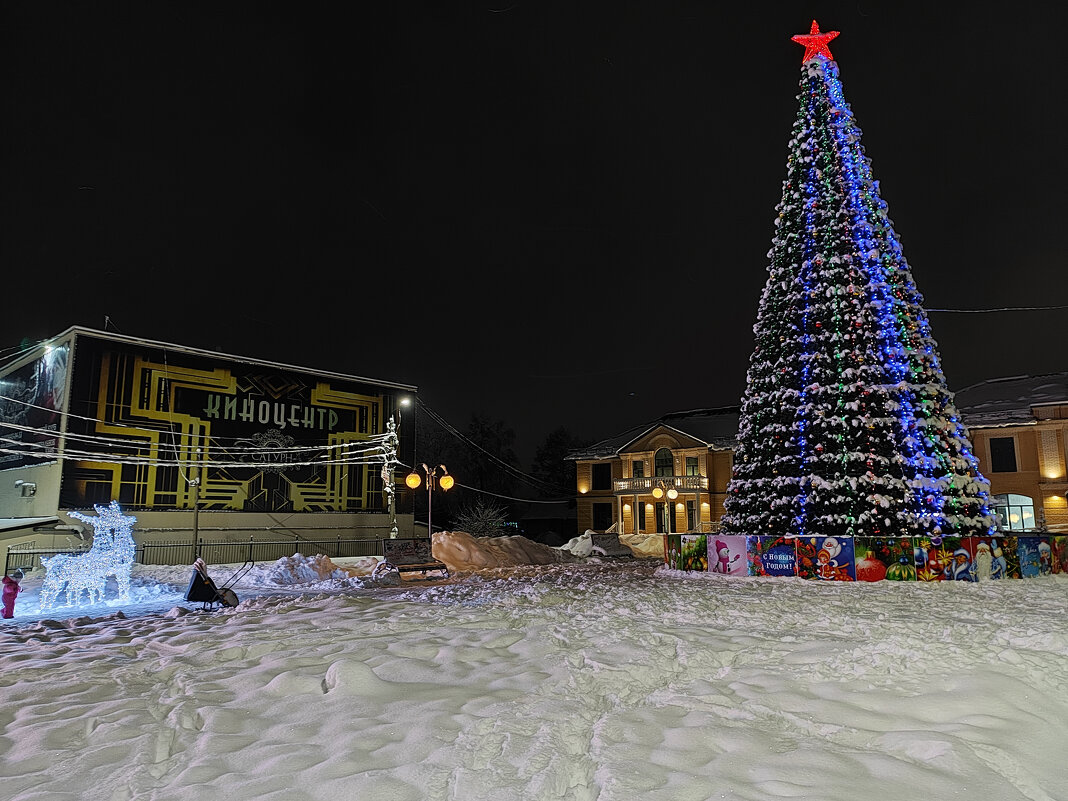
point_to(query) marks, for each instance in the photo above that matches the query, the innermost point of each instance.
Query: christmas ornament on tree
(847, 427)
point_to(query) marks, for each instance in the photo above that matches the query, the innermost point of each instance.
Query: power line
(1003, 309)
(509, 497)
(190, 450)
(142, 431)
(369, 446)
(514, 471)
(372, 452)
(39, 451)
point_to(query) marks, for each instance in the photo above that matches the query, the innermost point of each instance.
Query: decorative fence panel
(28, 559)
(891, 558)
(219, 552)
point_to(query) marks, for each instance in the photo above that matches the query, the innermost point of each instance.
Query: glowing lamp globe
(673, 493)
(413, 480)
(446, 482)
(658, 493)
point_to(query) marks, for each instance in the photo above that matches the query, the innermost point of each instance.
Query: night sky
(555, 214)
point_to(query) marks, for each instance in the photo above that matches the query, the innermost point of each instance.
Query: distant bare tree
(551, 465)
(482, 519)
(488, 462)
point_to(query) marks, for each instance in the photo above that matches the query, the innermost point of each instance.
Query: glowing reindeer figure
(112, 554)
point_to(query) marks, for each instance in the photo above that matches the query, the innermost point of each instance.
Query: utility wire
(498, 495)
(27, 450)
(509, 497)
(371, 453)
(1004, 309)
(187, 450)
(35, 450)
(514, 471)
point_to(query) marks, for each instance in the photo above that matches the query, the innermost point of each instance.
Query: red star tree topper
(815, 42)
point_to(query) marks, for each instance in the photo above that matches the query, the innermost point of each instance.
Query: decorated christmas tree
(847, 427)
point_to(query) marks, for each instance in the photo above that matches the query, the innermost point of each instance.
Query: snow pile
(155, 588)
(463, 553)
(588, 681)
(582, 545)
(151, 588)
(646, 546)
(300, 569)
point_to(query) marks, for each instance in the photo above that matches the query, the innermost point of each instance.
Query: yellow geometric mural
(268, 439)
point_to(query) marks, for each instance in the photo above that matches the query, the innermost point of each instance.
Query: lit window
(664, 463)
(1015, 512)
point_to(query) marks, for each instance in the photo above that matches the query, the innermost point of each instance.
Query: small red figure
(11, 589)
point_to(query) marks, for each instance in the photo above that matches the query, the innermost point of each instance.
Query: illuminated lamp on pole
(387, 473)
(446, 483)
(659, 492)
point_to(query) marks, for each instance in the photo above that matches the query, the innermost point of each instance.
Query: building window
(1015, 512)
(602, 516)
(602, 477)
(664, 463)
(641, 517)
(637, 468)
(691, 514)
(691, 466)
(1002, 455)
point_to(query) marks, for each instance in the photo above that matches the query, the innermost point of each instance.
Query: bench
(409, 556)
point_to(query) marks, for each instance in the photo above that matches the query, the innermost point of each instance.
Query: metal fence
(229, 552)
(219, 552)
(28, 559)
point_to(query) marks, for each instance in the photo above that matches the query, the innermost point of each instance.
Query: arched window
(664, 463)
(1015, 512)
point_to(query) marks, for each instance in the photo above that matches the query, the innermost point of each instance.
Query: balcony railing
(645, 484)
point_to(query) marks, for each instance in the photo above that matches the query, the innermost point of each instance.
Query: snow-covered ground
(581, 680)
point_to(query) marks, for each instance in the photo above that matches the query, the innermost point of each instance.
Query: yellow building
(1018, 427)
(667, 476)
(193, 442)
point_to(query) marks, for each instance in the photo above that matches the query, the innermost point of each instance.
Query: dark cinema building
(259, 447)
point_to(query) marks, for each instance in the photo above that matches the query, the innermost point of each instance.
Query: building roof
(15, 523)
(717, 428)
(32, 353)
(997, 402)
(1009, 401)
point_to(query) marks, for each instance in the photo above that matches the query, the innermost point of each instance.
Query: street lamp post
(391, 448)
(387, 476)
(660, 491)
(194, 482)
(446, 482)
